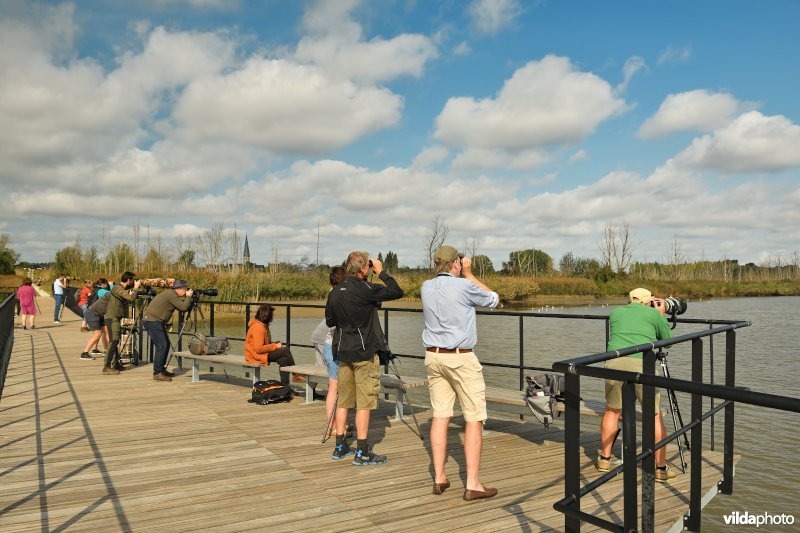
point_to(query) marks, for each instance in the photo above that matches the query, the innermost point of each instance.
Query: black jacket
(352, 308)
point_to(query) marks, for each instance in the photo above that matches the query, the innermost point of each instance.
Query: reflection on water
(768, 360)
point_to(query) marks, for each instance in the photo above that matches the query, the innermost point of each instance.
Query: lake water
(767, 360)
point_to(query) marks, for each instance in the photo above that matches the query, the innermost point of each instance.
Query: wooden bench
(318, 373)
(237, 361)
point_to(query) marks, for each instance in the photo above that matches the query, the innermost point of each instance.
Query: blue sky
(520, 124)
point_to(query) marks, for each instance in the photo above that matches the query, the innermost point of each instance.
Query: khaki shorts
(359, 384)
(452, 375)
(614, 388)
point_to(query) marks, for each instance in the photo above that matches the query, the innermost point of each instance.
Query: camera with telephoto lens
(145, 292)
(672, 305)
(197, 293)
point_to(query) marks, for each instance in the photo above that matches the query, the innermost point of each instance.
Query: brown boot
(110, 371)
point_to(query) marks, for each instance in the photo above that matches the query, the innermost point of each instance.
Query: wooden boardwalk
(84, 451)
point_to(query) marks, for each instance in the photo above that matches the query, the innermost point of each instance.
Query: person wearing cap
(352, 308)
(450, 334)
(156, 317)
(639, 322)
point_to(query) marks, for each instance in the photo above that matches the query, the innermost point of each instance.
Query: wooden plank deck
(84, 451)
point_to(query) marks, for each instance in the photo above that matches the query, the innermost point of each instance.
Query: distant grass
(265, 286)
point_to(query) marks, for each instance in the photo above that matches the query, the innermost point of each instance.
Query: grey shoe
(86, 357)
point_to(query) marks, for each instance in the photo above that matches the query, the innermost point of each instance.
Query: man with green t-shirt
(631, 325)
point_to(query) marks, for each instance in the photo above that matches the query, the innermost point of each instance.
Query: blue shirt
(58, 288)
(448, 305)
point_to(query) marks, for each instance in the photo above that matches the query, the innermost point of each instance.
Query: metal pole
(630, 480)
(288, 325)
(521, 356)
(711, 377)
(211, 318)
(726, 485)
(692, 521)
(246, 318)
(648, 444)
(572, 451)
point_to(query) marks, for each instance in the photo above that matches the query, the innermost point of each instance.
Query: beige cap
(446, 254)
(640, 295)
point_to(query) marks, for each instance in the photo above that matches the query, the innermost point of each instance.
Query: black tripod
(677, 419)
(190, 316)
(131, 346)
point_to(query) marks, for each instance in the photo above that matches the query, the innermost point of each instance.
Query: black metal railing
(574, 369)
(6, 335)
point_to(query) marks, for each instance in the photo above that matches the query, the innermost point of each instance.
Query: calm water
(768, 360)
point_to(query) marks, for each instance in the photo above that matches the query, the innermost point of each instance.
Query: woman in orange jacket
(258, 348)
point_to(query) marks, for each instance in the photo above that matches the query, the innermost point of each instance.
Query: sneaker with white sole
(86, 357)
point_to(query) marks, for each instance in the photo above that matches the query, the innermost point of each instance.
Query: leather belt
(448, 350)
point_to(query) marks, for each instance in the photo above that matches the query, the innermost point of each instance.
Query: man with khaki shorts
(639, 322)
(450, 334)
(352, 308)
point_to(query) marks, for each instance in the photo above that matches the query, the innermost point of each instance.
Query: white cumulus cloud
(491, 16)
(694, 110)
(547, 101)
(751, 143)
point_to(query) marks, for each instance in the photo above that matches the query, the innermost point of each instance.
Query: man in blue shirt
(448, 305)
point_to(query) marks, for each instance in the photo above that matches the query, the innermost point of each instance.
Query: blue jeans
(157, 331)
(59, 302)
(333, 366)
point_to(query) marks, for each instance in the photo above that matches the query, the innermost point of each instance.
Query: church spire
(246, 253)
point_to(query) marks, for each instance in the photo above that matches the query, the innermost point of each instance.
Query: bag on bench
(270, 391)
(202, 345)
(542, 395)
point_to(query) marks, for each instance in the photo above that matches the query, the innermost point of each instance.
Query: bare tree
(434, 238)
(616, 247)
(211, 245)
(234, 247)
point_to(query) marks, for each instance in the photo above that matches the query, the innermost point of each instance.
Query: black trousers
(282, 357)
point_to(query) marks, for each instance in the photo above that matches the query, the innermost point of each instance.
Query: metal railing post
(572, 452)
(288, 325)
(630, 480)
(726, 485)
(521, 356)
(246, 318)
(711, 377)
(211, 318)
(692, 520)
(648, 444)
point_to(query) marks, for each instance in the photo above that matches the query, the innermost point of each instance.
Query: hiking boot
(662, 476)
(297, 378)
(110, 371)
(369, 458)
(168, 374)
(605, 465)
(161, 377)
(86, 357)
(341, 451)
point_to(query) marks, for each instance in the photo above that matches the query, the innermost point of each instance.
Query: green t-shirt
(636, 324)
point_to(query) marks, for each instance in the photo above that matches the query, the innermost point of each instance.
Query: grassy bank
(264, 286)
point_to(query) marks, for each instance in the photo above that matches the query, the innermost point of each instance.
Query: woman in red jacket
(258, 348)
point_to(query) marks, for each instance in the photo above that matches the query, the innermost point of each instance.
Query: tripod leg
(404, 392)
(677, 420)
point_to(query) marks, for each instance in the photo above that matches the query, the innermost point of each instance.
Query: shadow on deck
(86, 451)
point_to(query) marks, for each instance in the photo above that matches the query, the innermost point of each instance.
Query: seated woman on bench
(258, 348)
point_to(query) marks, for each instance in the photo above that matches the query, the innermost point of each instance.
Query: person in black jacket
(352, 308)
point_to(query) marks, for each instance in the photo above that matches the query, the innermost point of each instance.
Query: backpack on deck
(542, 396)
(270, 391)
